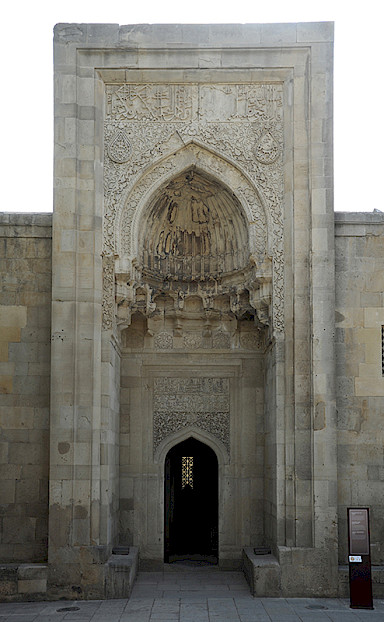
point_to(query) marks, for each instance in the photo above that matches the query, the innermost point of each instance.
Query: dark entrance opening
(191, 503)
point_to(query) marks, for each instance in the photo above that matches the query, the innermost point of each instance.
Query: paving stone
(130, 617)
(164, 609)
(197, 605)
(313, 617)
(193, 597)
(342, 616)
(164, 616)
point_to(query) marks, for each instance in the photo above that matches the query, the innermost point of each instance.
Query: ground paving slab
(192, 595)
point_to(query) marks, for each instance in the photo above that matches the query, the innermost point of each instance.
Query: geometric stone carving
(108, 300)
(192, 340)
(163, 341)
(221, 340)
(250, 341)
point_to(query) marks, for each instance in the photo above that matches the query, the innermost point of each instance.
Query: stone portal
(193, 294)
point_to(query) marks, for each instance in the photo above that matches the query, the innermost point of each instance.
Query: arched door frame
(200, 435)
(223, 460)
(191, 513)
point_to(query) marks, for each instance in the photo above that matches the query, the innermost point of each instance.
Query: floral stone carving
(181, 402)
(241, 126)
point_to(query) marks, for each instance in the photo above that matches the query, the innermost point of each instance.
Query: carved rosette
(221, 340)
(163, 341)
(250, 341)
(192, 341)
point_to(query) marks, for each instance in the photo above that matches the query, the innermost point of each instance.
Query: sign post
(360, 579)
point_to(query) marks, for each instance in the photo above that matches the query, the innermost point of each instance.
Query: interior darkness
(191, 510)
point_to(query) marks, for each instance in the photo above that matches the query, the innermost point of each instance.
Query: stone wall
(360, 378)
(25, 322)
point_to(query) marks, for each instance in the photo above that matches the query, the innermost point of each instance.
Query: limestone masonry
(192, 346)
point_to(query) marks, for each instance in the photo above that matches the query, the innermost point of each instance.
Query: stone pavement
(185, 594)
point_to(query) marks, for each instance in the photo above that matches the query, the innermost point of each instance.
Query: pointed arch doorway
(191, 503)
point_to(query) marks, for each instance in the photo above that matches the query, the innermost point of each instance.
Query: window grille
(187, 471)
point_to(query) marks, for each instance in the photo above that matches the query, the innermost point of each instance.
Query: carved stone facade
(193, 302)
(205, 277)
(204, 228)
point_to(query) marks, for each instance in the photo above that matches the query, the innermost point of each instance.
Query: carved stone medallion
(267, 149)
(192, 340)
(250, 341)
(221, 340)
(163, 341)
(119, 148)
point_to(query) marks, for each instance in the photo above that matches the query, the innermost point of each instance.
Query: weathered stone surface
(26, 273)
(360, 388)
(263, 574)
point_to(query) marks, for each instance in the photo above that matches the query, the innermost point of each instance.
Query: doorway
(191, 503)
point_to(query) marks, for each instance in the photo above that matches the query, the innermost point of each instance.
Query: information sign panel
(358, 532)
(360, 579)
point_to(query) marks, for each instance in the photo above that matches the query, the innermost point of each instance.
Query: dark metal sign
(360, 579)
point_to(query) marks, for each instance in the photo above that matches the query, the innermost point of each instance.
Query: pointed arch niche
(195, 230)
(193, 227)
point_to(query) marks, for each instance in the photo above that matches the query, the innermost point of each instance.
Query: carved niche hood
(193, 241)
(195, 231)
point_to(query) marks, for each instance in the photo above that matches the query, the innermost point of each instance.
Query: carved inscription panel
(190, 102)
(150, 102)
(182, 402)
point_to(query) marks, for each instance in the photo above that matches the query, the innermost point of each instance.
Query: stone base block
(23, 582)
(120, 574)
(308, 572)
(77, 573)
(263, 573)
